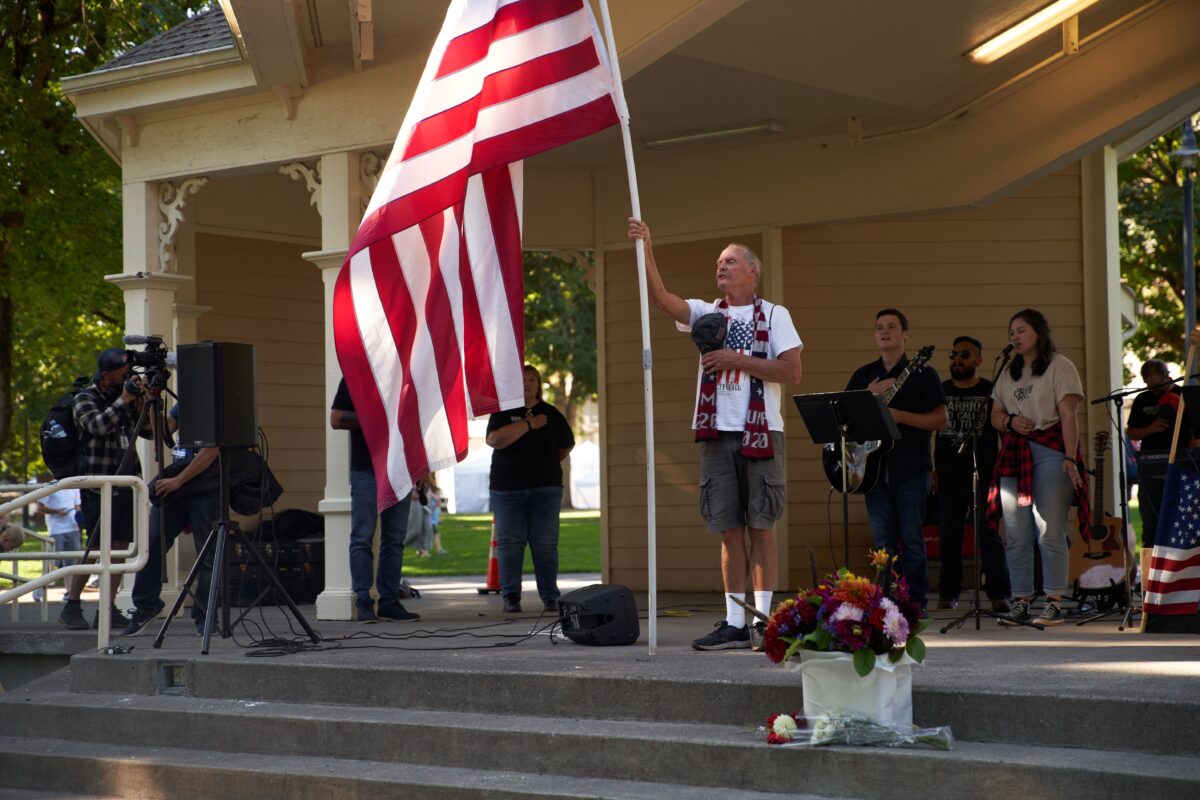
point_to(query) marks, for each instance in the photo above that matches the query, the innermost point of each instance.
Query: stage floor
(463, 630)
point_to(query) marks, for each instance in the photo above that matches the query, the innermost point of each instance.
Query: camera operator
(186, 493)
(105, 415)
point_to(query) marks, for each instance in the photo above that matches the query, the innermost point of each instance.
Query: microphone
(140, 339)
(1007, 351)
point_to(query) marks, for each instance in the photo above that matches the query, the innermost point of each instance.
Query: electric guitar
(865, 459)
(1105, 527)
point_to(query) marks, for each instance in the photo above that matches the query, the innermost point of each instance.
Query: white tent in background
(466, 483)
(585, 475)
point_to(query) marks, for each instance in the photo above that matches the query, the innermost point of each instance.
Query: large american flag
(1173, 587)
(428, 310)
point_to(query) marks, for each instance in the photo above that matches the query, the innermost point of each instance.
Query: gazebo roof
(206, 31)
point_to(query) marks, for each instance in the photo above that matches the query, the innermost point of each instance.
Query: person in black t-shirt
(526, 491)
(1152, 422)
(363, 513)
(969, 407)
(896, 504)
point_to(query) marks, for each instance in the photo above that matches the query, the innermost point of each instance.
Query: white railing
(135, 555)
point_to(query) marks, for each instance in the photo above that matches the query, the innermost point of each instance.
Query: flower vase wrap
(833, 688)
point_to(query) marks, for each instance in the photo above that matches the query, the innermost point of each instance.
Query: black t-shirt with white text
(969, 410)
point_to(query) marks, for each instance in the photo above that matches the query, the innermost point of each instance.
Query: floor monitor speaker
(216, 392)
(599, 614)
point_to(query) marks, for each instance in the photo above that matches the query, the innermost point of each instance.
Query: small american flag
(740, 337)
(1173, 587)
(428, 309)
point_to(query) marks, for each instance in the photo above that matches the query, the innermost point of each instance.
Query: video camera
(153, 362)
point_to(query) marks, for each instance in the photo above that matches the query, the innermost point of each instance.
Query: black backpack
(60, 439)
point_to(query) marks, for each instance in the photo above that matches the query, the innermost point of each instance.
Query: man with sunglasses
(969, 406)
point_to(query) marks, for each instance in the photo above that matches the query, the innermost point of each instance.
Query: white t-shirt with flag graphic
(733, 386)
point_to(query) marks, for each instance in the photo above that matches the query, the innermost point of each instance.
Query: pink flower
(846, 611)
(895, 626)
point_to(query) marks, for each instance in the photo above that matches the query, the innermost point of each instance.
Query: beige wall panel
(960, 272)
(264, 293)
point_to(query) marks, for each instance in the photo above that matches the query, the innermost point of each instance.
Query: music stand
(842, 417)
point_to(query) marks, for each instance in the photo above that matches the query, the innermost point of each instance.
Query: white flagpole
(647, 382)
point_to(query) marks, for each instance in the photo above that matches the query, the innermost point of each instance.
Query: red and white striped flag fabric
(428, 310)
(1172, 588)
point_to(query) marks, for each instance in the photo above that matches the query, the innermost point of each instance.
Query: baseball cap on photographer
(108, 360)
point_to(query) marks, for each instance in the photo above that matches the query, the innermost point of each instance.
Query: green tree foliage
(60, 203)
(560, 328)
(1150, 207)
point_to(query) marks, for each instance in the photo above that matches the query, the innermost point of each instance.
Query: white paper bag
(832, 688)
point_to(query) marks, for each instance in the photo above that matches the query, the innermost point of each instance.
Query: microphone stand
(1117, 396)
(977, 523)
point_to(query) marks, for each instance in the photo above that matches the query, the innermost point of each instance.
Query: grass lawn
(27, 569)
(467, 537)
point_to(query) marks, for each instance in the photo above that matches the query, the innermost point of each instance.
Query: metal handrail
(136, 555)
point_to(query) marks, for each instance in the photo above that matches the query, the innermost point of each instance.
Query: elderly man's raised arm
(673, 304)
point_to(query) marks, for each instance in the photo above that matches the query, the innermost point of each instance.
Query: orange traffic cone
(493, 572)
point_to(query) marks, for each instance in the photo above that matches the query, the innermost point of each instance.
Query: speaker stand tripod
(215, 544)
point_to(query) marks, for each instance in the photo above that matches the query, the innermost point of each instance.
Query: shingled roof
(208, 30)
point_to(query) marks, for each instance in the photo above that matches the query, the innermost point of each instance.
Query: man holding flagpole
(738, 425)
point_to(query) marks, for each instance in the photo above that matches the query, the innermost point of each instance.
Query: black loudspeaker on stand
(599, 614)
(216, 381)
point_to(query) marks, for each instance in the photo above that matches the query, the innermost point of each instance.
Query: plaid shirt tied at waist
(1016, 460)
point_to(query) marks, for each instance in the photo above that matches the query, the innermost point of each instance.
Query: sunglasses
(963, 354)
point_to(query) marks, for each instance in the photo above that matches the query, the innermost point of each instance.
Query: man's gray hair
(751, 258)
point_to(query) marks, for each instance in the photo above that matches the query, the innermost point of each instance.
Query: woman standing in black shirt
(526, 490)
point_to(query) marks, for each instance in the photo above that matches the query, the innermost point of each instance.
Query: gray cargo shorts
(735, 490)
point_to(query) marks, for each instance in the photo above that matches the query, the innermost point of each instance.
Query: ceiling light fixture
(1027, 30)
(715, 134)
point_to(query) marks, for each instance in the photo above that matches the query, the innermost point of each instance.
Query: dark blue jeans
(393, 524)
(897, 512)
(201, 511)
(954, 505)
(528, 516)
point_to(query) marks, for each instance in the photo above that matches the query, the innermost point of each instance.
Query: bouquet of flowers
(850, 614)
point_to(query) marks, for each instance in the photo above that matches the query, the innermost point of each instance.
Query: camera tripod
(214, 546)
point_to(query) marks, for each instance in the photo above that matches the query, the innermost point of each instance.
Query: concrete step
(1021, 715)
(34, 794)
(168, 774)
(672, 753)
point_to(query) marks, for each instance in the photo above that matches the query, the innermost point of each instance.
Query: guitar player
(896, 504)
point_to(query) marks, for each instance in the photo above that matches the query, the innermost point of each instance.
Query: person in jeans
(969, 406)
(526, 485)
(61, 510)
(896, 504)
(393, 525)
(1036, 403)
(188, 498)
(105, 415)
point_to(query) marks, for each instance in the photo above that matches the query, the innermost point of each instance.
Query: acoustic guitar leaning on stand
(1105, 533)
